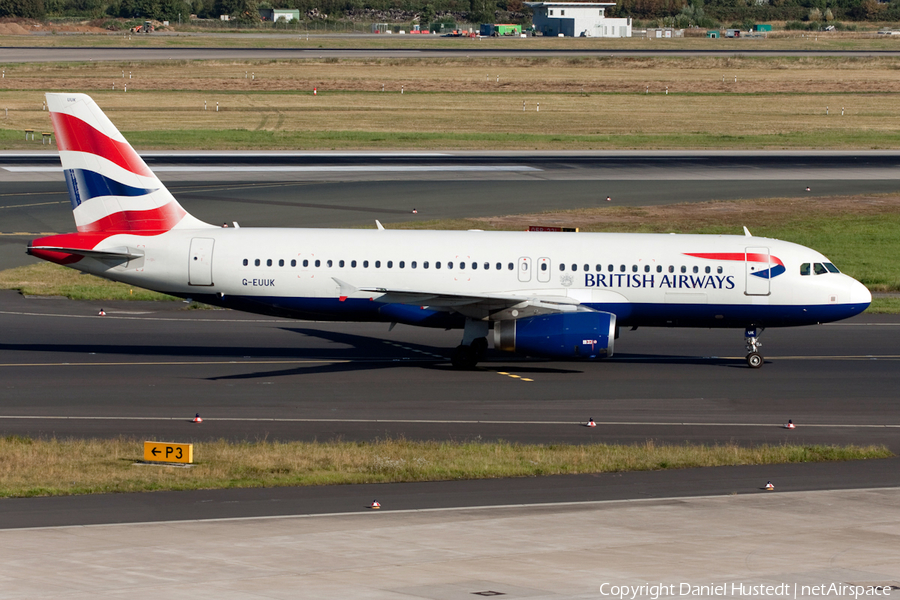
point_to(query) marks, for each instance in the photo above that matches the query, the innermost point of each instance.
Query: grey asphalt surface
(145, 369)
(467, 49)
(18, 513)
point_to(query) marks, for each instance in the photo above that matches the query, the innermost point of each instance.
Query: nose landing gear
(751, 337)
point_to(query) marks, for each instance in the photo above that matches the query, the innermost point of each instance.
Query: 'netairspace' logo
(783, 590)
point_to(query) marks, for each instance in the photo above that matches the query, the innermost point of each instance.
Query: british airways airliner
(557, 295)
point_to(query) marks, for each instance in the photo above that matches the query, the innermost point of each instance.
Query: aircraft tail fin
(110, 186)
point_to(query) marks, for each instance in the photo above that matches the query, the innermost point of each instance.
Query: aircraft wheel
(464, 358)
(754, 360)
(479, 347)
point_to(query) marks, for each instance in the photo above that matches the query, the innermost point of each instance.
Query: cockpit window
(831, 268)
(820, 269)
(804, 269)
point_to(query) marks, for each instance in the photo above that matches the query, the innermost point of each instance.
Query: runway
(145, 369)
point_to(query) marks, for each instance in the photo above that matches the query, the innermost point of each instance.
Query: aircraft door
(543, 270)
(200, 265)
(758, 268)
(524, 268)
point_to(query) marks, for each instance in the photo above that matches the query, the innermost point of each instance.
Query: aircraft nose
(859, 294)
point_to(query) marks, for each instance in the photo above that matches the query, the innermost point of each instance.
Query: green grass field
(53, 467)
(590, 103)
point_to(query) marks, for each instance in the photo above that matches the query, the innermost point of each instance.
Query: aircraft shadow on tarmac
(346, 356)
(707, 361)
(385, 357)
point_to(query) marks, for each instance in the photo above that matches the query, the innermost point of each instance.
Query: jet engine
(586, 335)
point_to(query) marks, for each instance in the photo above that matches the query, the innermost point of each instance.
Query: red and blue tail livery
(544, 294)
(110, 186)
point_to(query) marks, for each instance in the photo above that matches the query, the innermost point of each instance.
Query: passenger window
(562, 266)
(365, 264)
(671, 269)
(425, 265)
(574, 267)
(683, 269)
(280, 262)
(402, 264)
(543, 266)
(353, 264)
(487, 266)
(719, 270)
(708, 269)
(318, 262)
(831, 268)
(598, 268)
(462, 265)
(377, 264)
(696, 269)
(246, 262)
(329, 263)
(305, 262)
(510, 267)
(474, 265)
(804, 269)
(622, 268)
(587, 267)
(610, 268)
(499, 266)
(820, 269)
(659, 268)
(341, 264)
(412, 264)
(256, 262)
(646, 268)
(293, 262)
(269, 263)
(437, 265)
(390, 264)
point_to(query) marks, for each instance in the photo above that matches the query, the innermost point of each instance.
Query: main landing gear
(474, 345)
(751, 337)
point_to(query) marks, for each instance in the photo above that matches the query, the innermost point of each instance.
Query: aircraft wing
(496, 307)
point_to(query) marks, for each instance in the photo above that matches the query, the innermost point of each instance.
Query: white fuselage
(645, 279)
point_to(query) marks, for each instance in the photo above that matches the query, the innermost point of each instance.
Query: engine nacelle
(587, 335)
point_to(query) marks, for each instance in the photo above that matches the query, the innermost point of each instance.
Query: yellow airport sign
(168, 452)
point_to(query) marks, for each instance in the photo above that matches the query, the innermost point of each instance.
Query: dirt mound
(12, 29)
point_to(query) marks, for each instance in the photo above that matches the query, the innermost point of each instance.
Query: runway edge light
(167, 452)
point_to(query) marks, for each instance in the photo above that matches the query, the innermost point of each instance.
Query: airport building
(577, 19)
(274, 14)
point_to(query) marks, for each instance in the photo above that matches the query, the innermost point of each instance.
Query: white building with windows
(577, 19)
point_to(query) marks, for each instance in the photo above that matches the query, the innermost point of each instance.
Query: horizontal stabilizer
(116, 253)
